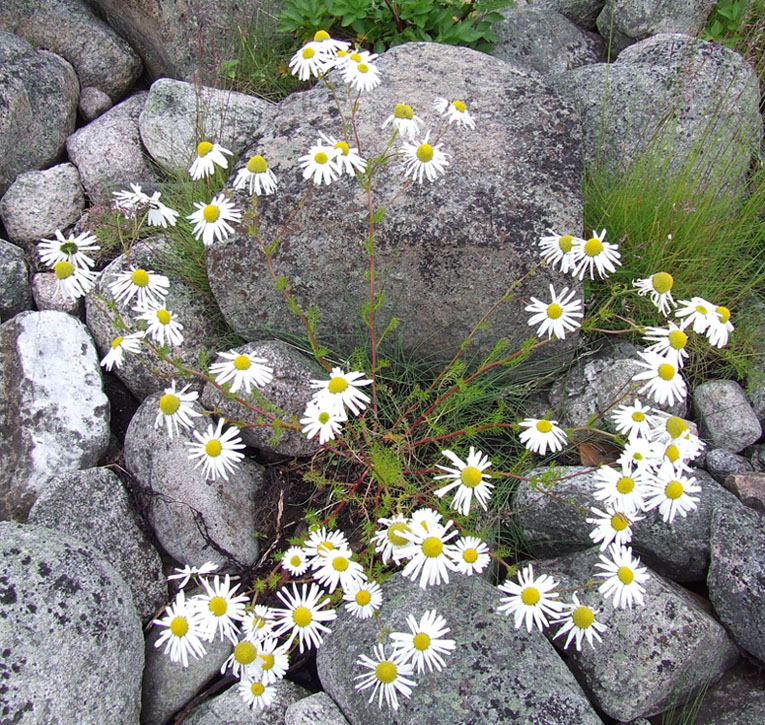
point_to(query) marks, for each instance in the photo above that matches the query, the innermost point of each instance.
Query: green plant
(381, 25)
(725, 22)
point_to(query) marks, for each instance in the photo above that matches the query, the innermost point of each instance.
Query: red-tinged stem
(355, 486)
(446, 436)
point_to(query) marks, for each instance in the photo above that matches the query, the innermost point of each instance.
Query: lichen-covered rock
(737, 699)
(318, 709)
(496, 673)
(749, 488)
(93, 103)
(54, 416)
(71, 642)
(15, 290)
(93, 506)
(726, 420)
(40, 202)
(445, 251)
(580, 12)
(38, 104)
(47, 296)
(722, 463)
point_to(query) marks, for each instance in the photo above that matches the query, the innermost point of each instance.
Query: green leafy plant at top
(725, 22)
(381, 25)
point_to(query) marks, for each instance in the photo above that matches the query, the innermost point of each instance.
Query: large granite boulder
(15, 290)
(38, 105)
(445, 251)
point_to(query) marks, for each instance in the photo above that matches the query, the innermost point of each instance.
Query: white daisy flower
(595, 254)
(532, 600)
(635, 420)
(218, 452)
(623, 489)
(697, 311)
(321, 542)
(347, 158)
(325, 420)
(612, 525)
(120, 344)
(670, 342)
(211, 220)
(337, 569)
(469, 554)
(303, 616)
(423, 645)
(640, 453)
(659, 286)
(256, 176)
(160, 215)
(129, 202)
(541, 434)
(161, 324)
(222, 609)
(468, 478)
(243, 370)
(676, 454)
(624, 577)
(455, 112)
(148, 287)
(663, 380)
(184, 574)
(579, 621)
(425, 519)
(361, 74)
(720, 326)
(404, 121)
(427, 553)
(558, 249)
(175, 408)
(295, 561)
(558, 316)
(208, 155)
(670, 493)
(183, 636)
(310, 60)
(671, 429)
(243, 660)
(68, 249)
(272, 661)
(390, 541)
(319, 163)
(73, 281)
(328, 45)
(342, 389)
(363, 598)
(258, 623)
(423, 160)
(256, 695)
(388, 676)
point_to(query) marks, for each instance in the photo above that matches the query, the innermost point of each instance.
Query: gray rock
(67, 27)
(289, 391)
(726, 420)
(188, 306)
(318, 709)
(195, 520)
(38, 103)
(543, 40)
(15, 290)
(670, 94)
(93, 103)
(477, 238)
(737, 699)
(496, 674)
(70, 636)
(179, 115)
(756, 455)
(721, 463)
(167, 686)
(46, 297)
(623, 22)
(108, 151)
(556, 524)
(230, 709)
(736, 579)
(751, 315)
(54, 416)
(40, 202)
(580, 12)
(93, 506)
(749, 488)
(651, 657)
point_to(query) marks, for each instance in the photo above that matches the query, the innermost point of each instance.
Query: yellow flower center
(179, 626)
(425, 153)
(321, 158)
(394, 533)
(296, 561)
(242, 362)
(117, 342)
(257, 689)
(362, 68)
(421, 641)
(213, 448)
(662, 282)
(566, 243)
(63, 269)
(672, 453)
(459, 105)
(677, 339)
(554, 311)
(342, 53)
(308, 53)
(471, 476)
(204, 148)
(218, 606)
(583, 617)
(676, 426)
(470, 556)
(638, 417)
(593, 247)
(723, 313)
(363, 597)
(302, 616)
(666, 371)
(530, 596)
(619, 522)
(211, 213)
(355, 57)
(325, 546)
(257, 165)
(320, 35)
(245, 653)
(637, 456)
(701, 309)
(544, 426)
(345, 149)
(324, 418)
(338, 385)
(403, 110)
(164, 317)
(169, 403)
(140, 278)
(386, 672)
(673, 490)
(625, 484)
(432, 547)
(625, 575)
(268, 661)
(259, 622)
(340, 563)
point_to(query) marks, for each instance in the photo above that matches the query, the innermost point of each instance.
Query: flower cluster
(71, 264)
